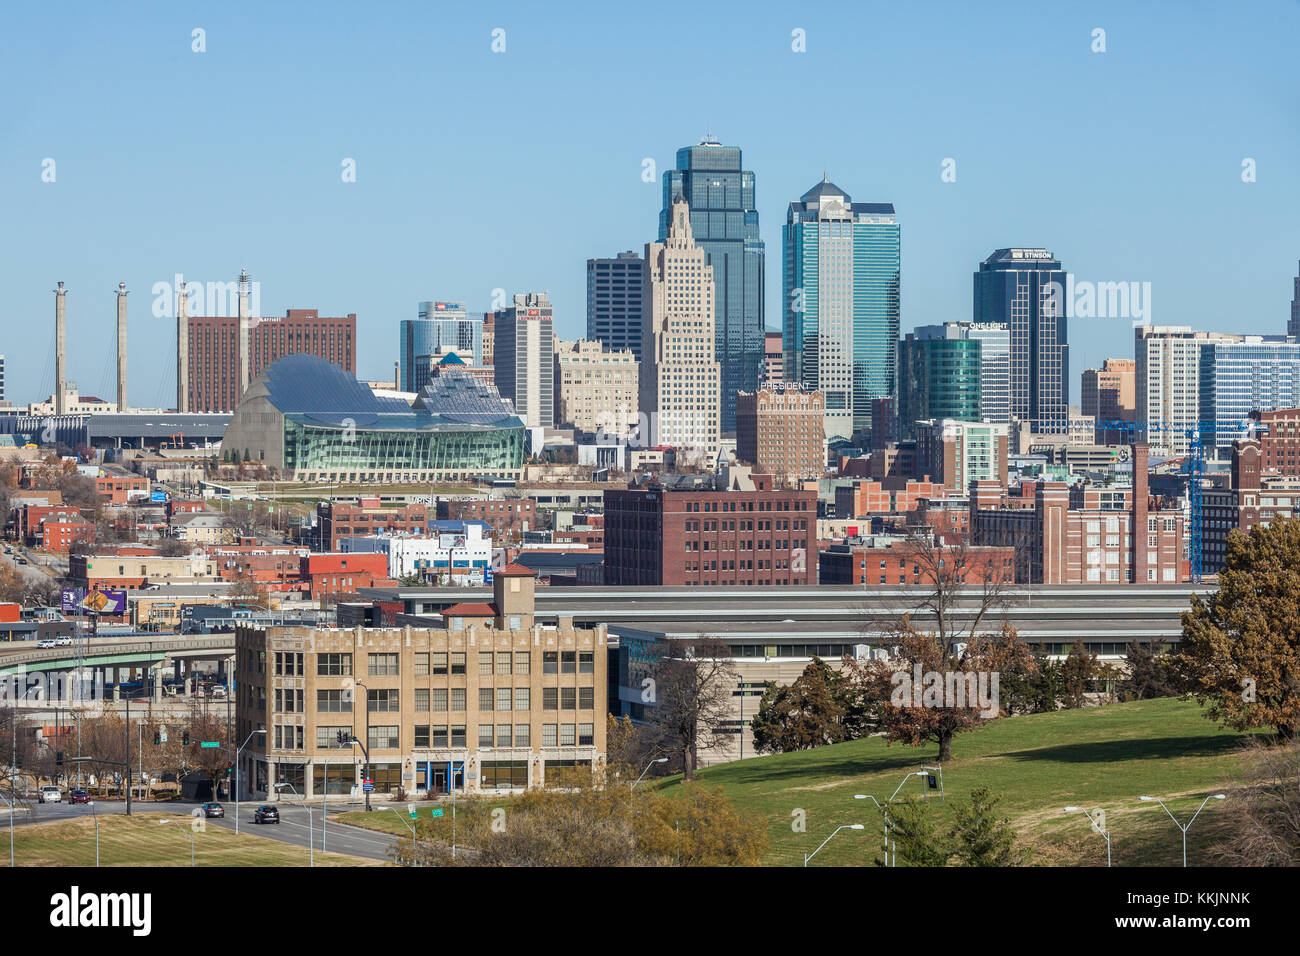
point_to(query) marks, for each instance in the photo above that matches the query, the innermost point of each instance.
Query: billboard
(81, 601)
(158, 497)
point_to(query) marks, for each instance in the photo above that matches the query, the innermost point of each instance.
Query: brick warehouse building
(493, 701)
(780, 430)
(1083, 535)
(214, 350)
(341, 519)
(701, 529)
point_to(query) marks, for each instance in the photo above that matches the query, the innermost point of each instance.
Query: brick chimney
(1139, 531)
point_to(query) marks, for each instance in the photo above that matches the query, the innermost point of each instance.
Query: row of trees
(106, 740)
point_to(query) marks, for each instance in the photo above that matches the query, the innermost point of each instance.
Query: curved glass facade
(320, 451)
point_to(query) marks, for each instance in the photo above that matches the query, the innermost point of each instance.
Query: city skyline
(362, 251)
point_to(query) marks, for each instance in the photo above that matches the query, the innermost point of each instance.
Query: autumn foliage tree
(1240, 650)
(820, 707)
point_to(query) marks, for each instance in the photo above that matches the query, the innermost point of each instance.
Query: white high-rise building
(1167, 386)
(680, 374)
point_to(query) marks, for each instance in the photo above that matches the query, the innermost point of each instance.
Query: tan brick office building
(490, 702)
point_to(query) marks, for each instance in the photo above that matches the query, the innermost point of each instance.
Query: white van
(51, 795)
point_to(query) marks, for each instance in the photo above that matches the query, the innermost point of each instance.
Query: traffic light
(344, 736)
(58, 758)
(157, 738)
(185, 737)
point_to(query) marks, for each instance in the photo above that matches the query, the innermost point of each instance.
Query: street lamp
(884, 812)
(182, 829)
(237, 753)
(1213, 796)
(95, 816)
(311, 852)
(10, 800)
(365, 774)
(1098, 822)
(647, 770)
(847, 826)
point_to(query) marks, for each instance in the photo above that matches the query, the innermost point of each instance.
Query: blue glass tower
(441, 325)
(841, 302)
(724, 220)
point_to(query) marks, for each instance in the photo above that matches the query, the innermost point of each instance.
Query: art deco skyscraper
(724, 220)
(680, 374)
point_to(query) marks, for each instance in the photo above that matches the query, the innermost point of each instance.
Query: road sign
(437, 812)
(162, 737)
(367, 786)
(210, 743)
(410, 809)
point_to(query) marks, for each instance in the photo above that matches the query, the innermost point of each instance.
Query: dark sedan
(266, 814)
(213, 810)
(79, 796)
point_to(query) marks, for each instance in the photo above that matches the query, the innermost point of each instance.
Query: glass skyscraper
(615, 294)
(1252, 373)
(1025, 289)
(938, 376)
(441, 325)
(724, 221)
(841, 302)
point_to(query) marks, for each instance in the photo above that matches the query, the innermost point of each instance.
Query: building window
(503, 774)
(567, 735)
(458, 736)
(521, 663)
(333, 665)
(586, 737)
(550, 662)
(568, 698)
(485, 735)
(503, 735)
(522, 735)
(383, 665)
(421, 698)
(334, 701)
(568, 662)
(522, 698)
(440, 699)
(439, 662)
(422, 664)
(328, 737)
(458, 698)
(586, 698)
(503, 663)
(421, 735)
(457, 662)
(484, 663)
(503, 698)
(586, 662)
(440, 736)
(549, 735)
(384, 738)
(550, 698)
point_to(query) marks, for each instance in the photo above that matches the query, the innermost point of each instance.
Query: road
(293, 827)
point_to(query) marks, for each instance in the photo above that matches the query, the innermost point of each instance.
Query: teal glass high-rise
(841, 302)
(724, 221)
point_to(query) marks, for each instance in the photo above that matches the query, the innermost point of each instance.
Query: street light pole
(182, 829)
(1097, 823)
(365, 774)
(884, 811)
(847, 826)
(647, 770)
(311, 851)
(237, 753)
(1213, 796)
(96, 818)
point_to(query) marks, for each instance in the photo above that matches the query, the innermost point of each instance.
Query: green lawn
(1097, 757)
(139, 840)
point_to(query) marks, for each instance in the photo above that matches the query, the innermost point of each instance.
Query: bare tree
(692, 686)
(1267, 808)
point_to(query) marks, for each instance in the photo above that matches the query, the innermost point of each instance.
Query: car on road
(51, 795)
(213, 809)
(79, 796)
(218, 692)
(22, 560)
(45, 643)
(266, 814)
(63, 639)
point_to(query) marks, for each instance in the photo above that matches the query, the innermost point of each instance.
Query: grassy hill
(1098, 757)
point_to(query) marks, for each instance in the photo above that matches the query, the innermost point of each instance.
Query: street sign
(367, 786)
(209, 743)
(162, 737)
(410, 809)
(437, 812)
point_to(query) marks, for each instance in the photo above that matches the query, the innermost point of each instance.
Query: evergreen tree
(980, 837)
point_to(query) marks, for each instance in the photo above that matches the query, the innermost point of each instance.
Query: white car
(63, 639)
(51, 795)
(45, 642)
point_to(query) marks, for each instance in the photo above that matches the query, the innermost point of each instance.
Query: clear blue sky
(478, 170)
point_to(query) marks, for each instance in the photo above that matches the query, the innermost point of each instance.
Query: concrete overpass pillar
(117, 683)
(156, 672)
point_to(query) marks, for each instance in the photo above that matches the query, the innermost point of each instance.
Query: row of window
(439, 663)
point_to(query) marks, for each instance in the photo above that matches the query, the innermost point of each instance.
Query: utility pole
(126, 766)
